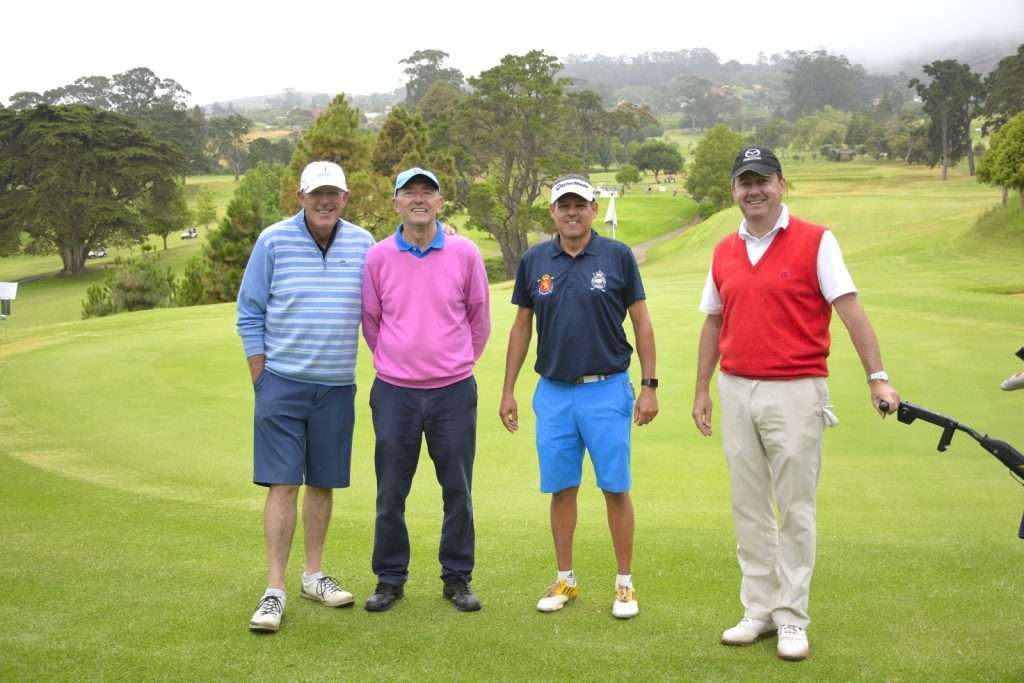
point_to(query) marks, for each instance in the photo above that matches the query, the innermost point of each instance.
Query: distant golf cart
(190, 233)
(97, 252)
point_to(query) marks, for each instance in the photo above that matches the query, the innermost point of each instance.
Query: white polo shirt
(833, 278)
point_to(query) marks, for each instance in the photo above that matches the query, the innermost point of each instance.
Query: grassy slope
(132, 542)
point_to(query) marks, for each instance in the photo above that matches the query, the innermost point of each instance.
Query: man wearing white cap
(581, 285)
(298, 316)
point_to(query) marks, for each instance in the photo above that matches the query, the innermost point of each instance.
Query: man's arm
(253, 297)
(866, 343)
(643, 331)
(478, 310)
(518, 346)
(372, 310)
(707, 359)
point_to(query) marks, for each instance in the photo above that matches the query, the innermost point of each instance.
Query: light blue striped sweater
(302, 308)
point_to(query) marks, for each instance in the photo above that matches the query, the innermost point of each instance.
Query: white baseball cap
(320, 174)
(572, 184)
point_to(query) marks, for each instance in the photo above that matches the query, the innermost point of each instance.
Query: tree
(949, 100)
(205, 211)
(227, 136)
(1004, 92)
(517, 124)
(402, 133)
(163, 209)
(1003, 163)
(268, 151)
(774, 133)
(253, 207)
(336, 136)
(627, 175)
(72, 177)
(818, 79)
(710, 179)
(825, 127)
(438, 108)
(424, 69)
(658, 156)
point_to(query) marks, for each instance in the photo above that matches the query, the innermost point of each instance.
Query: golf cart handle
(1003, 452)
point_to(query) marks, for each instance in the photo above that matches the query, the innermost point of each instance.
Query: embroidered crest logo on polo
(598, 281)
(545, 285)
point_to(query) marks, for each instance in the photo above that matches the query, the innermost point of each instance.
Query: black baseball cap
(760, 160)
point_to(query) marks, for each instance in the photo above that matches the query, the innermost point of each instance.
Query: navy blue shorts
(571, 417)
(302, 432)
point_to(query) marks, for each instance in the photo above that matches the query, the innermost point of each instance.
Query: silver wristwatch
(881, 375)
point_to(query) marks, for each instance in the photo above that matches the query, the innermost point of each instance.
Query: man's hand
(508, 411)
(881, 391)
(702, 412)
(646, 407)
(449, 229)
(256, 365)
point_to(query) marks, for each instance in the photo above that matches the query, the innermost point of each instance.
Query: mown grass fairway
(133, 546)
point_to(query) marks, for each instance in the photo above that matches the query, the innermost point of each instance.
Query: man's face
(323, 207)
(418, 203)
(759, 197)
(573, 215)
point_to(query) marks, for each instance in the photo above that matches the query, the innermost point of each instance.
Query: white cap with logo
(572, 184)
(320, 174)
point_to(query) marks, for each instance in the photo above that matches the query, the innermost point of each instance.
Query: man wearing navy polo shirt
(580, 286)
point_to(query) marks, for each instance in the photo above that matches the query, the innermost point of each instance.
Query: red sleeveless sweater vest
(774, 318)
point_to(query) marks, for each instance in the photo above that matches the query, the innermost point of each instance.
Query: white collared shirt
(833, 277)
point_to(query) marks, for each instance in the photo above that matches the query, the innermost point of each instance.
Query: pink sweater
(425, 319)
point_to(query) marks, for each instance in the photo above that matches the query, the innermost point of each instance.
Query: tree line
(495, 140)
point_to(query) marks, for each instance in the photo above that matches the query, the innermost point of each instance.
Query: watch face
(651, 382)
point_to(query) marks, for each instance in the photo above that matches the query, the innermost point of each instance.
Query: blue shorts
(302, 432)
(596, 416)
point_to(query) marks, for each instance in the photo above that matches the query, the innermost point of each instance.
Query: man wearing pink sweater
(426, 318)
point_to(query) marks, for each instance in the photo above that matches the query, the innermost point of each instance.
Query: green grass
(133, 545)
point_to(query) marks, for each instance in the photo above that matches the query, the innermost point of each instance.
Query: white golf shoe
(747, 632)
(267, 618)
(793, 645)
(327, 591)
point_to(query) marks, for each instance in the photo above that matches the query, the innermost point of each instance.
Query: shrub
(132, 285)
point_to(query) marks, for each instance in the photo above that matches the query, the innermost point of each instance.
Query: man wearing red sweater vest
(769, 298)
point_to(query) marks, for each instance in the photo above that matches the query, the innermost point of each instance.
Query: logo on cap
(752, 153)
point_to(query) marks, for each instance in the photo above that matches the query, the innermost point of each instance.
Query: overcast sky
(225, 50)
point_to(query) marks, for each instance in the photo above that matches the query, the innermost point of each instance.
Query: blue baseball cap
(409, 174)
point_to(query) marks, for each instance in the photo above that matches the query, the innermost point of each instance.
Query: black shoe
(458, 591)
(384, 595)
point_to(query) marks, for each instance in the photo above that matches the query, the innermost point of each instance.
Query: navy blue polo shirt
(580, 304)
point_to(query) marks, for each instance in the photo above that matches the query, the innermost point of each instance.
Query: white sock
(310, 578)
(567, 576)
(279, 592)
(624, 580)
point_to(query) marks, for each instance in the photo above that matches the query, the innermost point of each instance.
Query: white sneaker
(556, 596)
(793, 645)
(747, 632)
(267, 618)
(625, 605)
(327, 591)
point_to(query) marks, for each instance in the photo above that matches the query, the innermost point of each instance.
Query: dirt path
(640, 250)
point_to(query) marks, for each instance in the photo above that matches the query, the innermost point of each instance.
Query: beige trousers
(772, 434)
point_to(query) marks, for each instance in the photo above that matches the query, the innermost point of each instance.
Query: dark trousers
(401, 418)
